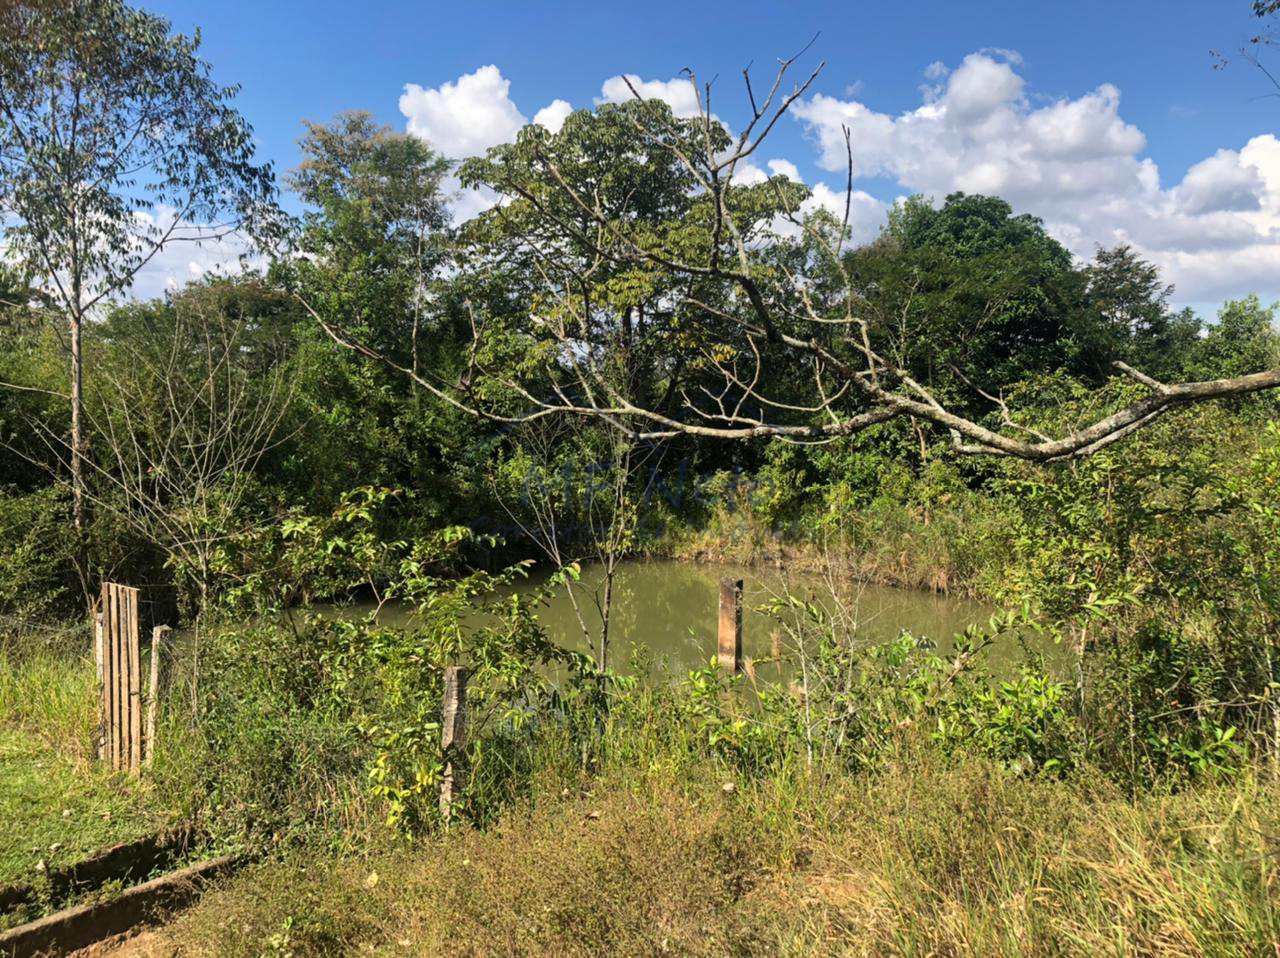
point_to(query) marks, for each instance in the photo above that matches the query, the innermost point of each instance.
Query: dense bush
(36, 574)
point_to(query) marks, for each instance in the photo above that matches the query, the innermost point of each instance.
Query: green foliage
(1025, 723)
(1128, 307)
(302, 715)
(1243, 340)
(1150, 564)
(36, 561)
(856, 706)
(934, 271)
(82, 204)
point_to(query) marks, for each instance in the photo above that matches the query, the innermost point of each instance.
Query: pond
(668, 611)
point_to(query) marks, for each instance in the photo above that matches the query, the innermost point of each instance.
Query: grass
(56, 805)
(923, 859)
(642, 838)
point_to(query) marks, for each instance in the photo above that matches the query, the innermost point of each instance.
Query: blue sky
(1089, 114)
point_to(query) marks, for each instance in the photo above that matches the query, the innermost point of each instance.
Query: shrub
(36, 572)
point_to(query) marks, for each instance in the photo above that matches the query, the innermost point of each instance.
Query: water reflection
(668, 612)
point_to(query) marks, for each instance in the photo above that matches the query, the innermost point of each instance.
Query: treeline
(227, 406)
(388, 399)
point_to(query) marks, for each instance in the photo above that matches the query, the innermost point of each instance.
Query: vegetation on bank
(238, 453)
(910, 808)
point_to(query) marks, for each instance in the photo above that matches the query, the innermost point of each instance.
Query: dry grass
(919, 861)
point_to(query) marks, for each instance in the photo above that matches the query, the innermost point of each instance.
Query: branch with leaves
(758, 328)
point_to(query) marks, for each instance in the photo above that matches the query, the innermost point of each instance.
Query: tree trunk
(80, 557)
(605, 608)
(77, 425)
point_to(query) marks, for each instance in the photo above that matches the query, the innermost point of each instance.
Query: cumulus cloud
(748, 174)
(553, 115)
(465, 204)
(678, 93)
(981, 85)
(785, 168)
(867, 215)
(466, 116)
(1223, 182)
(1075, 162)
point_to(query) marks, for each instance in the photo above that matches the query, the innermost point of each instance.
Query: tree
(114, 142)
(377, 252)
(1243, 338)
(1251, 52)
(968, 293)
(567, 486)
(375, 224)
(1130, 308)
(753, 311)
(187, 402)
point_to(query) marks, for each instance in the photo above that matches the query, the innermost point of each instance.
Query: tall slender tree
(115, 141)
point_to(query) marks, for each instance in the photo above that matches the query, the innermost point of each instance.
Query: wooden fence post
(110, 684)
(121, 678)
(730, 639)
(135, 686)
(453, 728)
(153, 693)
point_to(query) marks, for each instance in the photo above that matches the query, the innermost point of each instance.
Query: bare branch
(749, 320)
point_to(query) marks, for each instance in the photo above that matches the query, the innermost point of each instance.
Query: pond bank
(951, 553)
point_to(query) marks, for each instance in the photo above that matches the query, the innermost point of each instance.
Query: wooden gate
(120, 672)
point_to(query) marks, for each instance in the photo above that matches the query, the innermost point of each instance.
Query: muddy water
(667, 612)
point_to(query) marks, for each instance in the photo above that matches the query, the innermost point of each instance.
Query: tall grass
(925, 858)
(959, 546)
(57, 804)
(52, 697)
(686, 818)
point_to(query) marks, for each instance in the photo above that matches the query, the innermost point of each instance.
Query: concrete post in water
(730, 643)
(453, 728)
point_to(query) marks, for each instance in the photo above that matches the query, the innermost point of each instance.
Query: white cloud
(466, 116)
(1089, 128)
(465, 204)
(201, 251)
(867, 215)
(979, 86)
(553, 115)
(748, 174)
(785, 168)
(1076, 163)
(1223, 182)
(678, 93)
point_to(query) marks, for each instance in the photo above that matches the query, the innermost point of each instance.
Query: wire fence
(21, 638)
